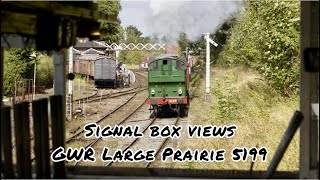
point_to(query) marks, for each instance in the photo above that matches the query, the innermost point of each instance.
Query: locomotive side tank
(168, 80)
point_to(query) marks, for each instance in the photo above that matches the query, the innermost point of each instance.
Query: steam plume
(169, 18)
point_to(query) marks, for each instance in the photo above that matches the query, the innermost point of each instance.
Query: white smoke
(168, 18)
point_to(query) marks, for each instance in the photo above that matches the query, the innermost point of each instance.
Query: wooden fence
(20, 124)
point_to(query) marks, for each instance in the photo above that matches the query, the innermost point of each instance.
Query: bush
(266, 39)
(228, 99)
(17, 65)
(45, 71)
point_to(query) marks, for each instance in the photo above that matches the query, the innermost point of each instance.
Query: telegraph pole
(208, 41)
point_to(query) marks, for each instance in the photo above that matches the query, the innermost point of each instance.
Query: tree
(265, 39)
(45, 71)
(220, 36)
(132, 57)
(183, 41)
(134, 35)
(17, 65)
(110, 30)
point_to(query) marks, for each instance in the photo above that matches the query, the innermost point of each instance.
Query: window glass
(166, 65)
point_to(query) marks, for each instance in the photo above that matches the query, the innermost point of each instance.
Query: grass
(239, 96)
(80, 88)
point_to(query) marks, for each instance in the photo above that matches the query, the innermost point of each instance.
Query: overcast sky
(169, 17)
(134, 13)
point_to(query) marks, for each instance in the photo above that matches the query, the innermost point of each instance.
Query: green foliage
(183, 41)
(134, 36)
(228, 99)
(131, 57)
(110, 30)
(45, 71)
(220, 36)
(80, 83)
(265, 39)
(195, 79)
(17, 65)
(109, 7)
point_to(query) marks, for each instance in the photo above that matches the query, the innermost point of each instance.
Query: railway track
(163, 143)
(94, 97)
(136, 139)
(119, 122)
(141, 81)
(132, 143)
(105, 116)
(74, 137)
(97, 97)
(87, 97)
(152, 143)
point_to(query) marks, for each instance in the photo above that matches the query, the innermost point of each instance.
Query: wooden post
(6, 143)
(22, 137)
(58, 132)
(58, 109)
(309, 92)
(41, 137)
(59, 73)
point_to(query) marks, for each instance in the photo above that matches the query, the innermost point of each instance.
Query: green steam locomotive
(168, 78)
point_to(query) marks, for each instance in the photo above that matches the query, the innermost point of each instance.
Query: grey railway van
(105, 72)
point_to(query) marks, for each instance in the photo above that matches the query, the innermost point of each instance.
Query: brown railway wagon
(84, 67)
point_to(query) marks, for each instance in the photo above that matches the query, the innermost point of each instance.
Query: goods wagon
(84, 67)
(168, 80)
(105, 72)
